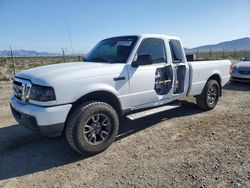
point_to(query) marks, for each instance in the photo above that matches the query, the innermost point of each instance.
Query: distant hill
(25, 53)
(227, 45)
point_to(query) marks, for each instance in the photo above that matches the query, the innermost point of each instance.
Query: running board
(152, 111)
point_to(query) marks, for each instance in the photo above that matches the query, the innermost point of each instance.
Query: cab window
(155, 48)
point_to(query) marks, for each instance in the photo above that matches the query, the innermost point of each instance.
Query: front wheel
(92, 127)
(209, 97)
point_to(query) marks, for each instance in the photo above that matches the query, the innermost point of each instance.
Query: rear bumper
(48, 121)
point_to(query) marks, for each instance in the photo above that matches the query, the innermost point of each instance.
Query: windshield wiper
(97, 59)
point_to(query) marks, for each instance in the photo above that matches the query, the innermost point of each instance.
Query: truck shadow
(237, 86)
(128, 127)
(24, 152)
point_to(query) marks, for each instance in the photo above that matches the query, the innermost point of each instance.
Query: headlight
(234, 69)
(42, 93)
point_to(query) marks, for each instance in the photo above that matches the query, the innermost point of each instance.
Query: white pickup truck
(134, 76)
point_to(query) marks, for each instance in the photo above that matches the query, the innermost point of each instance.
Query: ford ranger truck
(134, 76)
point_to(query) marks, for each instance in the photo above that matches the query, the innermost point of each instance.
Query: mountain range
(242, 43)
(25, 53)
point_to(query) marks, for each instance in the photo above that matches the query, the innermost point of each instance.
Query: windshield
(112, 50)
(246, 58)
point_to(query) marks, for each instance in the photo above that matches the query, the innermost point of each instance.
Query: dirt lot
(184, 147)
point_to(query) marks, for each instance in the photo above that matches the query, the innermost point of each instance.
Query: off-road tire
(202, 99)
(77, 120)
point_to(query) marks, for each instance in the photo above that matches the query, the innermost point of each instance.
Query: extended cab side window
(155, 48)
(176, 51)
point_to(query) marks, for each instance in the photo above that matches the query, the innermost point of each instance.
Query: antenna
(69, 35)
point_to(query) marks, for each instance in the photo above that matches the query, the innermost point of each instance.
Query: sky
(48, 25)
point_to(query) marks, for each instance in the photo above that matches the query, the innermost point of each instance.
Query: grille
(17, 89)
(245, 72)
(21, 89)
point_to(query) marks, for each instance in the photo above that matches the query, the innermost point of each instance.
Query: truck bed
(200, 71)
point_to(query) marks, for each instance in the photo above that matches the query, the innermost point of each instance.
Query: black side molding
(119, 78)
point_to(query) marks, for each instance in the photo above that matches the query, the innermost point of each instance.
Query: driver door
(150, 83)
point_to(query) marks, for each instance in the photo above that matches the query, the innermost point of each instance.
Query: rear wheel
(92, 127)
(209, 97)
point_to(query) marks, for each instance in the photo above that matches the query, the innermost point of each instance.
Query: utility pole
(234, 53)
(197, 54)
(13, 60)
(210, 53)
(63, 55)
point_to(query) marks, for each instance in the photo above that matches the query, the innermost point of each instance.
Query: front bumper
(240, 77)
(49, 121)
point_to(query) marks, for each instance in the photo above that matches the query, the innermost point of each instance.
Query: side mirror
(242, 59)
(145, 59)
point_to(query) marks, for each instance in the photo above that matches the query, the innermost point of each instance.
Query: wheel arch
(102, 96)
(216, 77)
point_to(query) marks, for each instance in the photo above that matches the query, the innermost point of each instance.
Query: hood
(46, 75)
(243, 65)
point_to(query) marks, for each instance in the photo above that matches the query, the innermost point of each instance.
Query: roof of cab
(158, 35)
(150, 36)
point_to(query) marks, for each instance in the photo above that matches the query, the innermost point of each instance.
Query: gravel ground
(184, 147)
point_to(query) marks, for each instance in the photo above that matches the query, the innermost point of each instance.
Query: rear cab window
(176, 51)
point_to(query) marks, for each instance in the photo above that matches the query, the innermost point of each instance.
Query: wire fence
(13, 60)
(209, 54)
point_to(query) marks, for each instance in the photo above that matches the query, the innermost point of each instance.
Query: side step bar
(152, 111)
